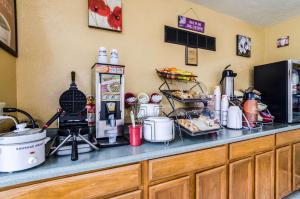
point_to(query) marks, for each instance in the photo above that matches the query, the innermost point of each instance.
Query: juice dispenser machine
(108, 89)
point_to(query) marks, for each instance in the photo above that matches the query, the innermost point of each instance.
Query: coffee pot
(250, 108)
(227, 82)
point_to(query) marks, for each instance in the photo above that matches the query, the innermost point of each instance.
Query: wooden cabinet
(296, 166)
(262, 168)
(287, 138)
(241, 179)
(175, 189)
(264, 176)
(283, 171)
(179, 164)
(250, 147)
(212, 184)
(132, 195)
(92, 185)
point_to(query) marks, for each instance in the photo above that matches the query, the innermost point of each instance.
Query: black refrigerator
(280, 87)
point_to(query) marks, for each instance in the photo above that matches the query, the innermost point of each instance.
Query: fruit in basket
(174, 73)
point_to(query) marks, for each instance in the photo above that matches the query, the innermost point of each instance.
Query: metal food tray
(193, 134)
(165, 74)
(169, 94)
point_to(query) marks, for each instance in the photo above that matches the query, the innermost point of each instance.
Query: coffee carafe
(227, 82)
(250, 107)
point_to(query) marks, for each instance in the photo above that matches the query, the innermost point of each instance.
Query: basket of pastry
(186, 95)
(176, 74)
(199, 125)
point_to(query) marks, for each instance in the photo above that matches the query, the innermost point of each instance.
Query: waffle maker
(73, 127)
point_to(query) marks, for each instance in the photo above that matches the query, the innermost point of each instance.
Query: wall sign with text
(191, 24)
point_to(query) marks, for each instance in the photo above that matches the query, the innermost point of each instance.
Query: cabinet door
(283, 171)
(175, 189)
(296, 166)
(212, 184)
(264, 176)
(92, 185)
(132, 195)
(241, 179)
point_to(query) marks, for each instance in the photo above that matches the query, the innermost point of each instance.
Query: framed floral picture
(105, 14)
(8, 26)
(243, 46)
(283, 42)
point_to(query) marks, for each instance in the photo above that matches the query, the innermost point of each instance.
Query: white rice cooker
(22, 149)
(159, 129)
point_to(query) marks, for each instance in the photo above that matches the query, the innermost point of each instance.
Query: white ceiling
(259, 12)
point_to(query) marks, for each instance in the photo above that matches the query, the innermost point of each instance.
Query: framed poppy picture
(105, 14)
(8, 26)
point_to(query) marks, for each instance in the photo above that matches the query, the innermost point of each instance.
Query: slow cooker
(22, 149)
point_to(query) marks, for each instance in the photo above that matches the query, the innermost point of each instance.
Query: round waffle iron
(72, 101)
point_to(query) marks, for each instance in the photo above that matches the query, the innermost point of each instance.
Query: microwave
(280, 87)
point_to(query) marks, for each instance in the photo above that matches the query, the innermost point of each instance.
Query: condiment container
(114, 56)
(135, 135)
(235, 117)
(224, 109)
(217, 102)
(159, 129)
(102, 55)
(149, 110)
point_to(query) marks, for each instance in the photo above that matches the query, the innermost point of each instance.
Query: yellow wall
(55, 39)
(286, 28)
(7, 82)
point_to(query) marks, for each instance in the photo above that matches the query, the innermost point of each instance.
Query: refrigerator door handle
(290, 94)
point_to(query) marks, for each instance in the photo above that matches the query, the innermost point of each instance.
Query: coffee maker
(227, 82)
(108, 89)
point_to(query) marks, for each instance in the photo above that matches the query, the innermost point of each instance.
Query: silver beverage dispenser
(227, 82)
(108, 89)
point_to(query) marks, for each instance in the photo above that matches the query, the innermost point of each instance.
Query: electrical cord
(13, 117)
(12, 110)
(8, 117)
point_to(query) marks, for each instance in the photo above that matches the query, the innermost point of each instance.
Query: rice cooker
(22, 149)
(159, 129)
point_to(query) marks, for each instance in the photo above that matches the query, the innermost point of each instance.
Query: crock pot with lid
(22, 149)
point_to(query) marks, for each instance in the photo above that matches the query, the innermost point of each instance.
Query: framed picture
(8, 26)
(191, 56)
(243, 46)
(283, 42)
(105, 14)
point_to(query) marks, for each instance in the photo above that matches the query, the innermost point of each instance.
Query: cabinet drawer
(92, 185)
(180, 164)
(132, 195)
(288, 137)
(250, 147)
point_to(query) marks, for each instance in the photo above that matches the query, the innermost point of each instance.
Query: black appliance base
(104, 143)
